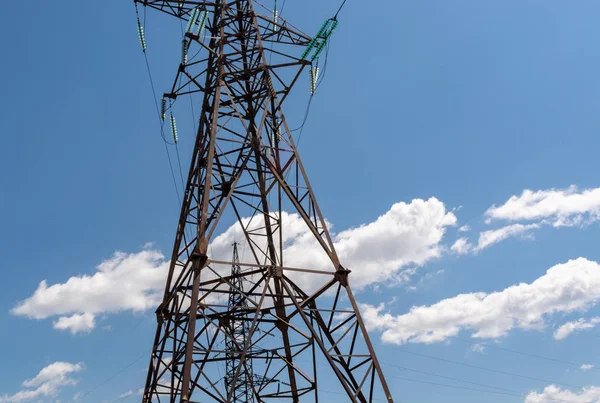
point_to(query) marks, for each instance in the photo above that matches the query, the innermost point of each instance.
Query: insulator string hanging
(272, 140)
(192, 21)
(314, 77)
(202, 21)
(326, 36)
(173, 128)
(277, 128)
(163, 109)
(320, 40)
(184, 51)
(141, 35)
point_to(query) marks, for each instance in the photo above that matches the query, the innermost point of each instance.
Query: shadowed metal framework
(299, 320)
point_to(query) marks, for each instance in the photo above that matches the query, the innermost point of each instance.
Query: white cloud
(568, 287)
(556, 207)
(488, 238)
(477, 348)
(553, 393)
(408, 234)
(564, 207)
(131, 392)
(76, 323)
(586, 367)
(464, 228)
(570, 327)
(123, 282)
(387, 251)
(53, 372)
(461, 246)
(47, 383)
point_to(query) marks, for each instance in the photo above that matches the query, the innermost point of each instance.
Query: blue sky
(467, 102)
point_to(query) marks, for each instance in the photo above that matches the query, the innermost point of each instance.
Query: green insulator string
(202, 21)
(193, 19)
(318, 43)
(326, 36)
(315, 48)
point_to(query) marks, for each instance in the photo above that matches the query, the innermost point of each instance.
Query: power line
(158, 110)
(498, 389)
(340, 9)
(486, 368)
(455, 386)
(448, 377)
(123, 369)
(504, 390)
(122, 399)
(541, 357)
(307, 111)
(344, 394)
(114, 375)
(470, 342)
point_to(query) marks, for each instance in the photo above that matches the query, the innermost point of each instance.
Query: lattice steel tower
(238, 329)
(300, 316)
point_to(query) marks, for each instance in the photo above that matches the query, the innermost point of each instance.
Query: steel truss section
(297, 320)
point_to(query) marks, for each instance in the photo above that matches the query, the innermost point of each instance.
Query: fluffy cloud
(564, 207)
(570, 327)
(554, 393)
(461, 246)
(488, 238)
(408, 234)
(47, 383)
(586, 367)
(568, 287)
(76, 323)
(556, 207)
(386, 250)
(123, 282)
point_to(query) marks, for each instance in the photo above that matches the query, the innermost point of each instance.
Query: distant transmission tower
(299, 315)
(239, 327)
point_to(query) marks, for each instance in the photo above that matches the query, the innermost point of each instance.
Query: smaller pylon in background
(238, 330)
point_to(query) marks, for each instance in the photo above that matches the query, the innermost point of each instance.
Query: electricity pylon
(239, 330)
(300, 318)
